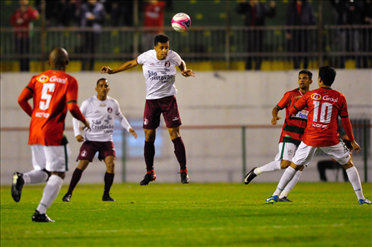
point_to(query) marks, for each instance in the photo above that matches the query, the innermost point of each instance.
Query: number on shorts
(45, 95)
(325, 112)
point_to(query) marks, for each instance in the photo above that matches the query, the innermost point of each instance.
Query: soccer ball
(181, 22)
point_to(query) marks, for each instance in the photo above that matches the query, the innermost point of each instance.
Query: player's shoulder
(172, 54)
(111, 99)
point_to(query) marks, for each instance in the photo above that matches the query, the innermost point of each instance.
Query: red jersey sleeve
(283, 103)
(72, 91)
(343, 107)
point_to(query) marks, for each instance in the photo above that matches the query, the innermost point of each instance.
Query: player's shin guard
(50, 193)
(149, 153)
(35, 176)
(286, 177)
(180, 152)
(109, 180)
(354, 179)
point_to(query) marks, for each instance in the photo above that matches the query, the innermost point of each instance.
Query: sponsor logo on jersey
(167, 64)
(57, 79)
(316, 96)
(301, 114)
(163, 78)
(317, 125)
(327, 98)
(42, 78)
(109, 109)
(42, 114)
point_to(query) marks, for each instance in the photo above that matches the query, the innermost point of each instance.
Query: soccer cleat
(364, 201)
(272, 199)
(37, 217)
(67, 197)
(284, 199)
(17, 186)
(149, 177)
(250, 176)
(107, 198)
(184, 177)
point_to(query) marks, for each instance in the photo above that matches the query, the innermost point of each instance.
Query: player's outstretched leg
(250, 176)
(17, 185)
(149, 177)
(184, 177)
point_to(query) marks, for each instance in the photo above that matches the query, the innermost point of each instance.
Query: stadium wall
(210, 99)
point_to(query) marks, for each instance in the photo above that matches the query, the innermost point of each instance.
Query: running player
(53, 91)
(324, 105)
(290, 138)
(101, 112)
(159, 69)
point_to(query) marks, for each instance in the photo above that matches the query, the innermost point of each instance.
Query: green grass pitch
(321, 214)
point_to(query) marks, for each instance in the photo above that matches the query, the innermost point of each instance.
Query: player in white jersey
(159, 69)
(100, 111)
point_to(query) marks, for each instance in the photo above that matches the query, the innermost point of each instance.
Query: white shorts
(51, 158)
(305, 153)
(286, 151)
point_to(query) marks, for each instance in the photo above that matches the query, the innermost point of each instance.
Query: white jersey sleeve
(75, 122)
(119, 116)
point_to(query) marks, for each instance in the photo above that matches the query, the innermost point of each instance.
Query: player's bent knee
(284, 164)
(59, 174)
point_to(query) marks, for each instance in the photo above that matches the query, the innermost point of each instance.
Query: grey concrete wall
(220, 98)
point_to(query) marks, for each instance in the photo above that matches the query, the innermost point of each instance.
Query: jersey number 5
(45, 95)
(325, 112)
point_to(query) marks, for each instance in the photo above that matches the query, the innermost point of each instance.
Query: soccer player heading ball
(159, 69)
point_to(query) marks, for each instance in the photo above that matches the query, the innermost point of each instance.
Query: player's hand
(133, 133)
(355, 146)
(187, 73)
(79, 138)
(106, 69)
(274, 120)
(86, 125)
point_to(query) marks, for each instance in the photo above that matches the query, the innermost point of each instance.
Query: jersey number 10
(325, 112)
(47, 88)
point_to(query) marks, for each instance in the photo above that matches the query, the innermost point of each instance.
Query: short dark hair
(161, 38)
(101, 79)
(308, 72)
(327, 74)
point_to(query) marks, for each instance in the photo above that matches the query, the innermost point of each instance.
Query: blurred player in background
(159, 68)
(324, 105)
(101, 112)
(290, 138)
(53, 91)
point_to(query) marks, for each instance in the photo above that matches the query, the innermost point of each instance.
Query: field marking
(180, 229)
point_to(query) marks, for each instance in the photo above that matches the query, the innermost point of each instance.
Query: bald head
(58, 58)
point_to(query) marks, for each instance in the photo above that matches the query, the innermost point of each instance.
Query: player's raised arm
(128, 65)
(184, 71)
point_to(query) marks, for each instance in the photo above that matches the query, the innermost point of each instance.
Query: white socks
(272, 166)
(354, 179)
(286, 177)
(291, 184)
(50, 193)
(35, 176)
